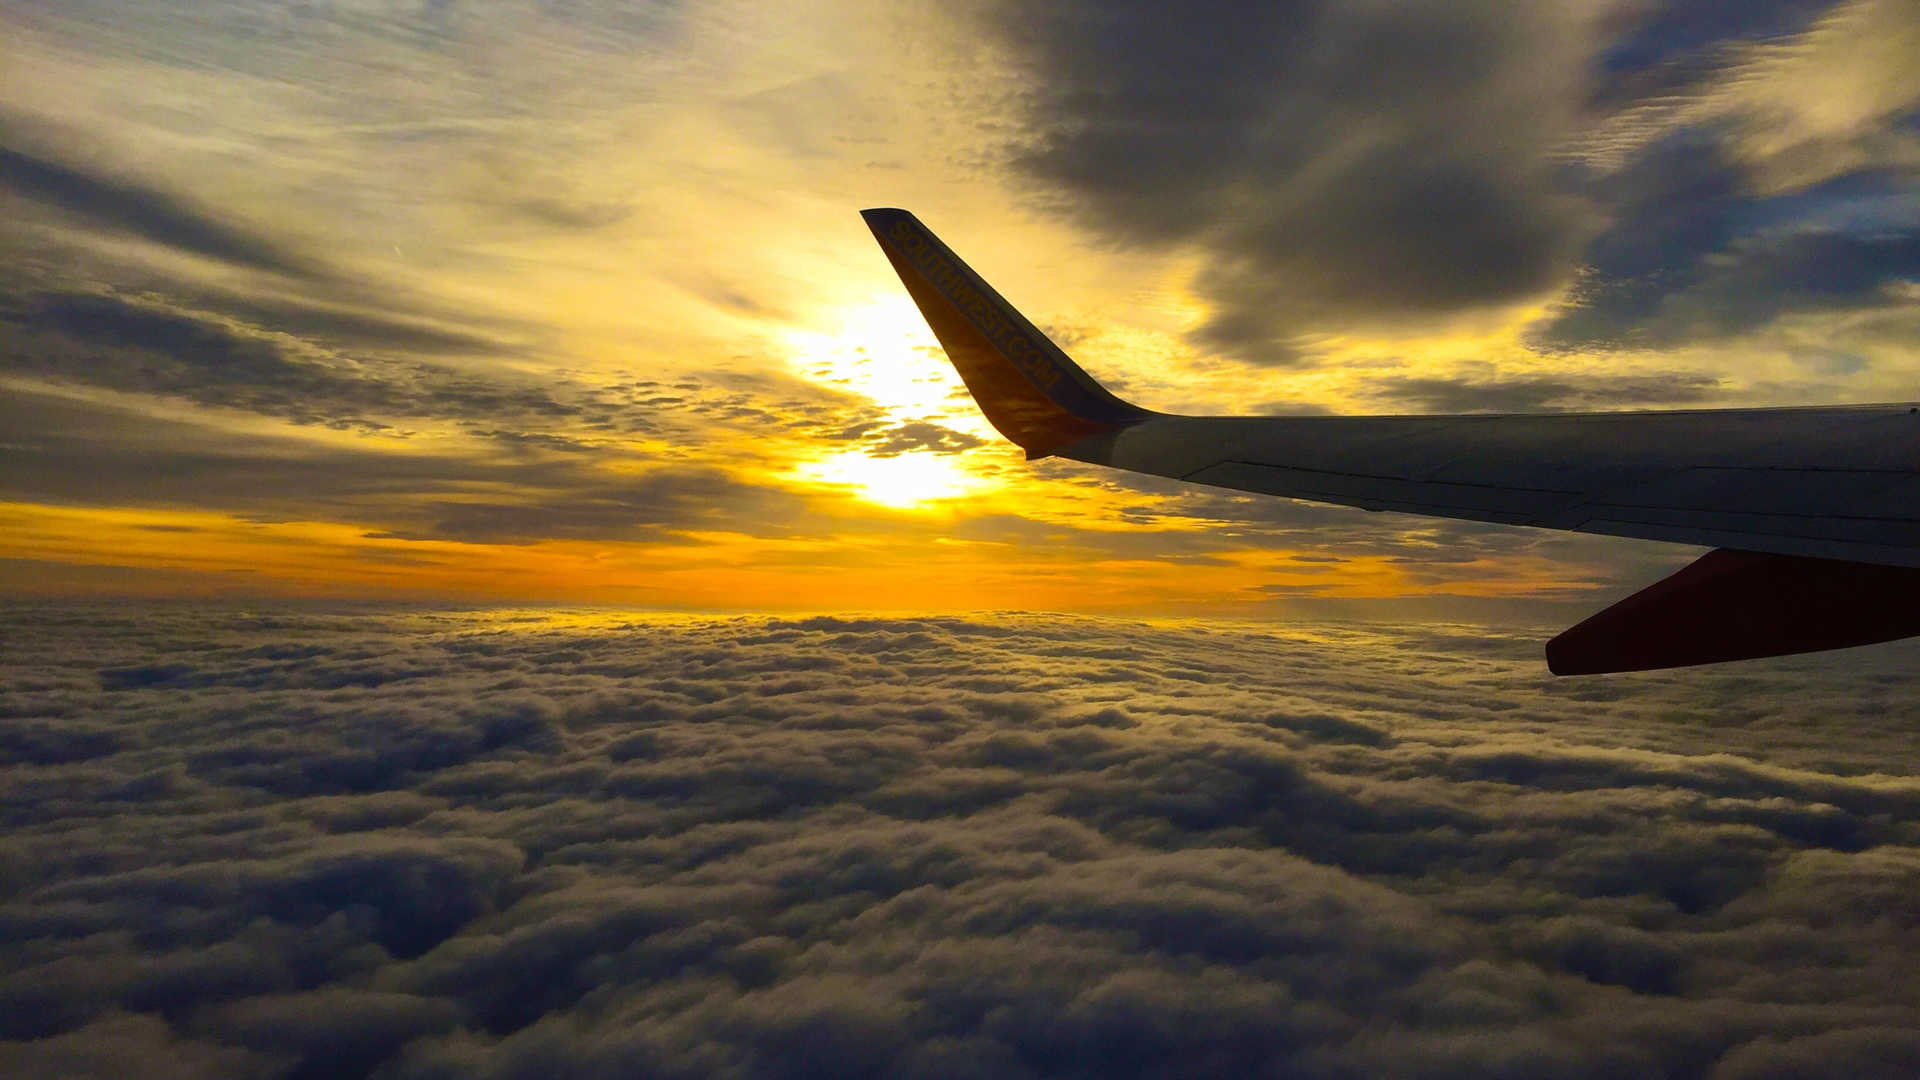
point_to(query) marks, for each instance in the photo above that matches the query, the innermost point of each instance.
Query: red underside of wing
(1737, 605)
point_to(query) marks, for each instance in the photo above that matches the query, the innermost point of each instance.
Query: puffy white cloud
(430, 843)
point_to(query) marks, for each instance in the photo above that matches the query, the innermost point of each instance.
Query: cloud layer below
(424, 843)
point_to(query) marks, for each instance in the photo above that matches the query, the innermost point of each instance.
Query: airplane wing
(1816, 510)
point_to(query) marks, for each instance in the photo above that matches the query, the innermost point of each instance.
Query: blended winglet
(1029, 390)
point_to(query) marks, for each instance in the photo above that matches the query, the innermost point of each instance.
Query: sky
(499, 581)
(570, 302)
(524, 843)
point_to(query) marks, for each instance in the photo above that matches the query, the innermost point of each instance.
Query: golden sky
(571, 302)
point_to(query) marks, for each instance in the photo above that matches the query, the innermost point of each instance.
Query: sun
(883, 351)
(907, 481)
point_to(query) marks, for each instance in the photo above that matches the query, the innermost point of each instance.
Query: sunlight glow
(903, 481)
(883, 351)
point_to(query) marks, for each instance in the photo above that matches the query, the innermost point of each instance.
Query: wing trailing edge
(1814, 512)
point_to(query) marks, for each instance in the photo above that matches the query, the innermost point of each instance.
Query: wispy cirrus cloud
(554, 277)
(126, 205)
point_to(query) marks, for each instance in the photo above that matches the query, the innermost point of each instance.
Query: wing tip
(879, 217)
(1028, 388)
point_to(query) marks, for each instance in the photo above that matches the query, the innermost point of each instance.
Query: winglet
(1025, 385)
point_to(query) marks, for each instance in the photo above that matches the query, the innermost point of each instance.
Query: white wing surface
(1837, 483)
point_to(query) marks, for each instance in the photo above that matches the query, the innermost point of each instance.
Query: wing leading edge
(1802, 497)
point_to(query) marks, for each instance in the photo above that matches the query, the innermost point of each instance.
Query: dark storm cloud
(504, 844)
(1695, 252)
(124, 205)
(1348, 165)
(1544, 393)
(1337, 163)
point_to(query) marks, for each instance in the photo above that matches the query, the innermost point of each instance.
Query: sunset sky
(570, 301)
(497, 579)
